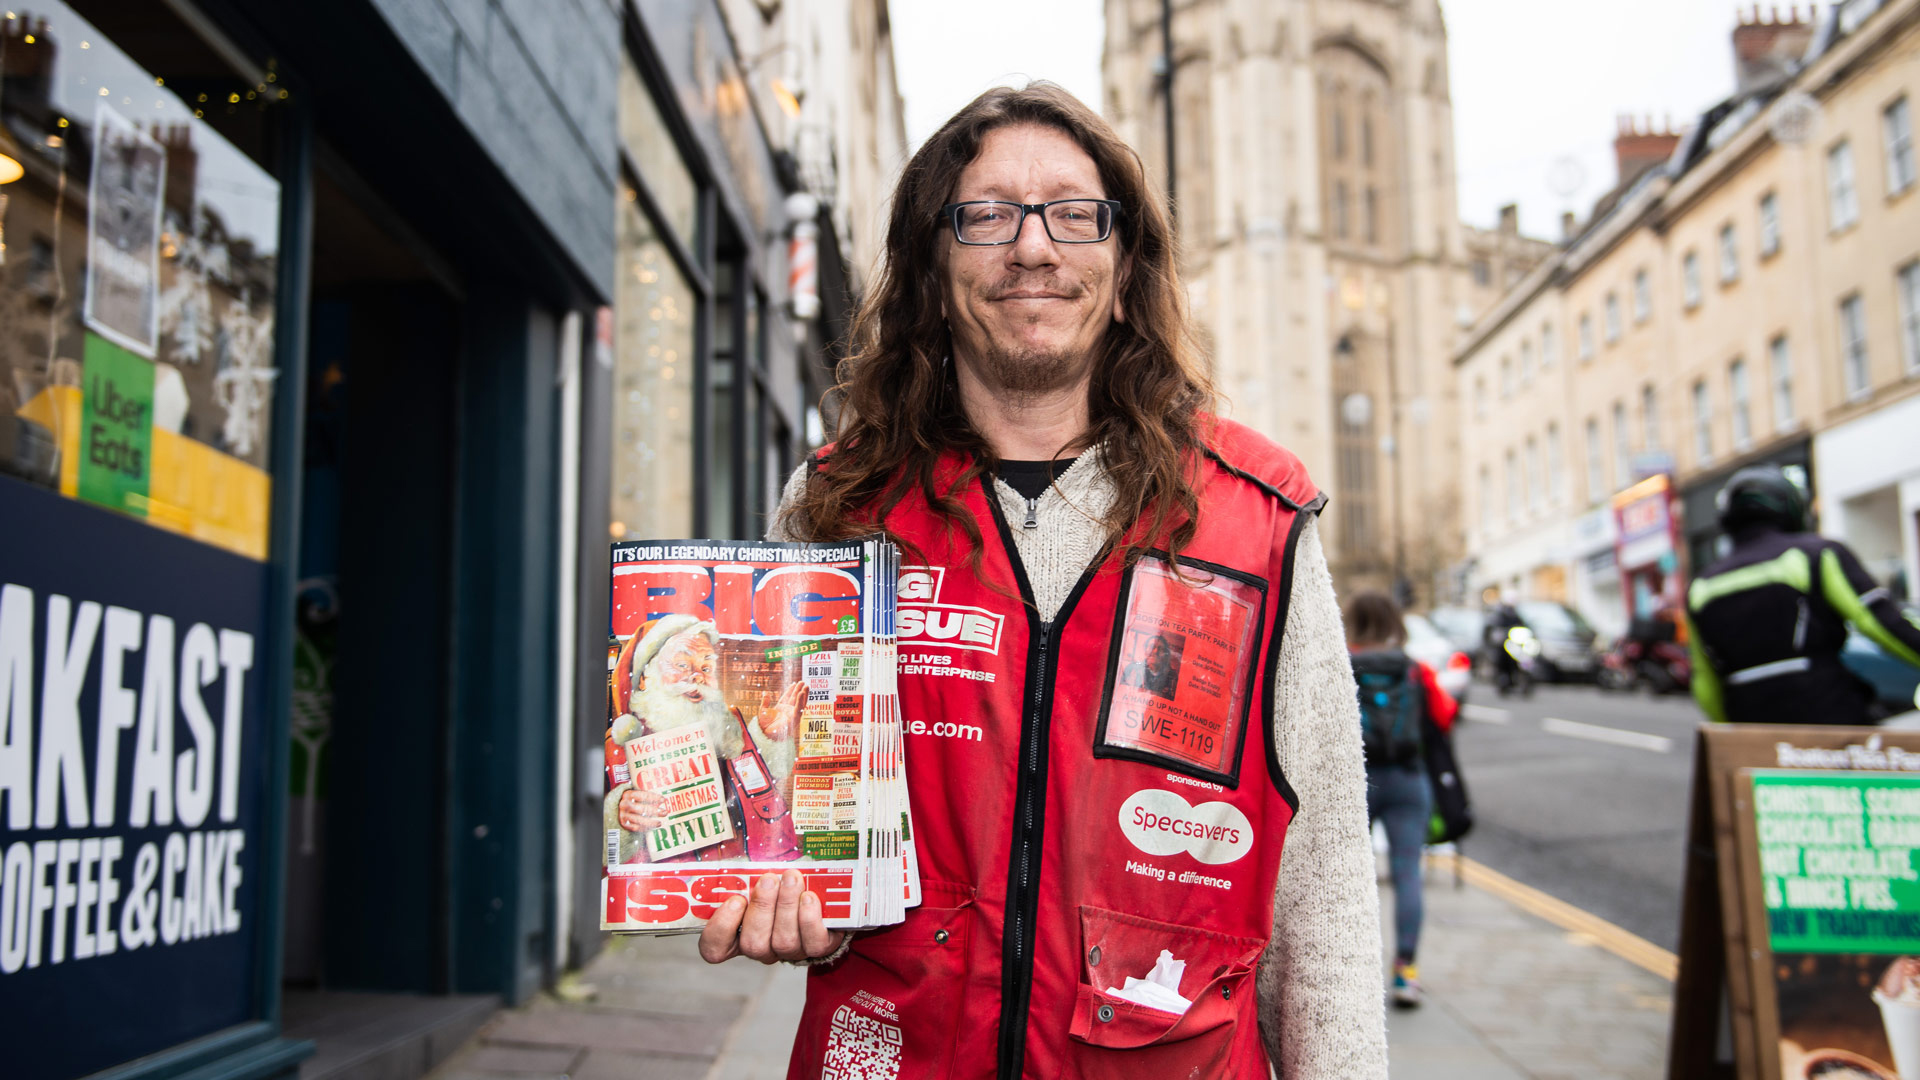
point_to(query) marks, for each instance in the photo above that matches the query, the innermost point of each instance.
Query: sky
(1536, 83)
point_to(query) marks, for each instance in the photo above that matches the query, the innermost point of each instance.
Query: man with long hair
(1026, 411)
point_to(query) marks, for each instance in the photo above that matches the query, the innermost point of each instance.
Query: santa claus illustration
(669, 678)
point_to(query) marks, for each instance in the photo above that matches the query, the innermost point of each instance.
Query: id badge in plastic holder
(1180, 676)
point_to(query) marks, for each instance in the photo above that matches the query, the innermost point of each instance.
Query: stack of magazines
(753, 725)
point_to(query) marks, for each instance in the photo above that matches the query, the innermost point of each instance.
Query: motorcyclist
(1502, 617)
(1767, 621)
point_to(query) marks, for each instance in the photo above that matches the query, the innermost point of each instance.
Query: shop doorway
(367, 855)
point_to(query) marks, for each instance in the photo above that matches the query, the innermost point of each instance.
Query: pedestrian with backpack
(1398, 698)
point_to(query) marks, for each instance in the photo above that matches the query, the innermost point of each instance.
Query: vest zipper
(1023, 894)
(1033, 515)
(1800, 627)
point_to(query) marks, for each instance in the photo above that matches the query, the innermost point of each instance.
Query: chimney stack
(1638, 145)
(1569, 225)
(1766, 48)
(1510, 219)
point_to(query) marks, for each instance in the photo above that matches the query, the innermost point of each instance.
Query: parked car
(1567, 650)
(1428, 645)
(1463, 626)
(1895, 682)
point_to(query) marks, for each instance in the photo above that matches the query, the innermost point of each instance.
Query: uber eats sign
(131, 777)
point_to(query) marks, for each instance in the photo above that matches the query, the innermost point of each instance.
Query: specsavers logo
(924, 620)
(1160, 822)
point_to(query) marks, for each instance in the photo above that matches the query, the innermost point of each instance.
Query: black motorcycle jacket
(1767, 622)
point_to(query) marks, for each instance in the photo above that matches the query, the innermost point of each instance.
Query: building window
(1622, 446)
(1649, 419)
(1373, 216)
(1586, 337)
(1556, 466)
(1769, 224)
(1690, 280)
(1513, 488)
(1366, 139)
(1853, 345)
(1843, 205)
(1739, 404)
(1506, 376)
(1781, 361)
(1479, 399)
(1702, 423)
(1339, 127)
(1526, 362)
(1596, 462)
(1536, 488)
(1910, 317)
(1549, 347)
(1486, 500)
(1340, 208)
(1729, 255)
(1642, 296)
(1898, 125)
(1482, 273)
(1612, 323)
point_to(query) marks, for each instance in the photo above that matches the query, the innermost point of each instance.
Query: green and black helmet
(1762, 494)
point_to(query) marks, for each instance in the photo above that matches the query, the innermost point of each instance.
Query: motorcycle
(1518, 667)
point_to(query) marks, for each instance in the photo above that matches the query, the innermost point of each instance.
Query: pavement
(1520, 986)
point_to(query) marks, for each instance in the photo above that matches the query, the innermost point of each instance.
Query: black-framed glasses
(984, 223)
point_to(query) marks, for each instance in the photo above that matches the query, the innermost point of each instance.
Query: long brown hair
(899, 403)
(1374, 621)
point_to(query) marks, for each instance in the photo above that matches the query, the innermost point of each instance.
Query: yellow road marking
(1624, 944)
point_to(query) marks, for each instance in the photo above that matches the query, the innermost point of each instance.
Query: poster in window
(124, 199)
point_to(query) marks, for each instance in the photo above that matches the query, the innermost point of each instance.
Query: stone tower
(1314, 188)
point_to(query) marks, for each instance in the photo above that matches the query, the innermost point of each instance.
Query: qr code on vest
(861, 1048)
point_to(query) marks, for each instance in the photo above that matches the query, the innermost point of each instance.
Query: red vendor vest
(1086, 793)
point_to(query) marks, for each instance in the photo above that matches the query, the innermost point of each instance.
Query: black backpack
(1392, 703)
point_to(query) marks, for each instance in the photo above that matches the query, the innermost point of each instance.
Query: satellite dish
(1794, 117)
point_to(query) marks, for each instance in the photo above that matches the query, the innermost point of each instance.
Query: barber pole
(803, 255)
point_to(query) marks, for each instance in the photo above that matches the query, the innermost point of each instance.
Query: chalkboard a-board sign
(1800, 922)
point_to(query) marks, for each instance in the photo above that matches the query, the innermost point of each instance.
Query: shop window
(653, 421)
(650, 143)
(137, 312)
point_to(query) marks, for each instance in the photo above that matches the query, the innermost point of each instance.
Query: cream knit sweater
(1321, 996)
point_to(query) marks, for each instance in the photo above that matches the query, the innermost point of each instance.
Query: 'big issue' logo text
(924, 620)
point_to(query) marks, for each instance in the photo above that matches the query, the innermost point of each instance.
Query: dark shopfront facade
(313, 324)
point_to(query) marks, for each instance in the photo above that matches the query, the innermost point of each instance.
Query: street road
(1583, 795)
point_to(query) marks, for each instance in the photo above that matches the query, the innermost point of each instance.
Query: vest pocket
(1119, 1037)
(894, 1002)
